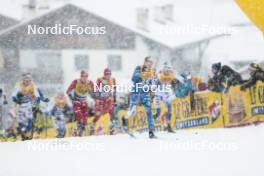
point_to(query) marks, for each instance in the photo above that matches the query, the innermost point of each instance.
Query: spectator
(183, 86)
(223, 78)
(256, 74)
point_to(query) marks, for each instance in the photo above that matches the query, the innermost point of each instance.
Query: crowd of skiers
(72, 105)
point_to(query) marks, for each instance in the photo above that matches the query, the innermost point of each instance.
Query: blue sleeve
(14, 96)
(41, 96)
(179, 93)
(136, 78)
(14, 99)
(52, 112)
(189, 85)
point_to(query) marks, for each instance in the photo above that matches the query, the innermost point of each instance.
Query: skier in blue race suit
(143, 78)
(26, 96)
(165, 93)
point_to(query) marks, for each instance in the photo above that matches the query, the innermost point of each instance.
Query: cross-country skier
(25, 97)
(142, 79)
(60, 111)
(78, 91)
(105, 97)
(165, 93)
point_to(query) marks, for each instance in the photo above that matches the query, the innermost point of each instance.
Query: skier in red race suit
(105, 97)
(78, 92)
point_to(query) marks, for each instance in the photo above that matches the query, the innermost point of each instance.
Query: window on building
(115, 62)
(159, 15)
(49, 61)
(81, 62)
(168, 10)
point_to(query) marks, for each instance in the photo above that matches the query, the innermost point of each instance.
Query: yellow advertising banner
(139, 122)
(243, 107)
(101, 128)
(201, 111)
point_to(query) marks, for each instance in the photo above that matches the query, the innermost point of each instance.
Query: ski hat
(107, 71)
(26, 77)
(166, 66)
(84, 73)
(148, 59)
(217, 66)
(254, 67)
(60, 91)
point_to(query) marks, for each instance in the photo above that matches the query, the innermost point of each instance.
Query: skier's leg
(157, 99)
(57, 126)
(132, 110)
(61, 128)
(167, 99)
(146, 102)
(30, 119)
(133, 103)
(110, 107)
(84, 110)
(24, 120)
(64, 128)
(77, 108)
(99, 107)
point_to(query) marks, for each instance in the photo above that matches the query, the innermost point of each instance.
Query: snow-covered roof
(190, 16)
(15, 8)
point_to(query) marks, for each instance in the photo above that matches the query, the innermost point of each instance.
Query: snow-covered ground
(215, 152)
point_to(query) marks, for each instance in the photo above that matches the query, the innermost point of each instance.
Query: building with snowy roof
(169, 31)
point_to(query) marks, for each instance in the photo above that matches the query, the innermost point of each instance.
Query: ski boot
(113, 127)
(124, 124)
(91, 129)
(169, 129)
(61, 133)
(80, 129)
(152, 135)
(112, 130)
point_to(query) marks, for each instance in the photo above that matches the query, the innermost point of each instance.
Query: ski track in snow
(186, 153)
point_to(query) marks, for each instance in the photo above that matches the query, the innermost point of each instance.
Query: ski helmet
(84, 73)
(148, 59)
(26, 77)
(107, 71)
(166, 66)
